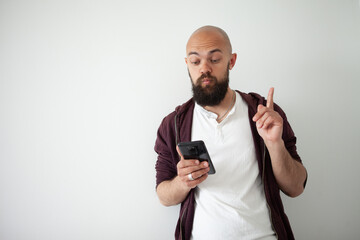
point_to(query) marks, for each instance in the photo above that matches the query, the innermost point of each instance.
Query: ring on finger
(190, 177)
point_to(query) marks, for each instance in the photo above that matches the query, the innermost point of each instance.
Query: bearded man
(251, 144)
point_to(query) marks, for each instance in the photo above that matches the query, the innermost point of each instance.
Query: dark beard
(210, 95)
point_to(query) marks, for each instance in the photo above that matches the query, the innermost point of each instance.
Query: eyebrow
(211, 52)
(215, 50)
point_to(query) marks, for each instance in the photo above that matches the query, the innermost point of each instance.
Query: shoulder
(181, 112)
(254, 99)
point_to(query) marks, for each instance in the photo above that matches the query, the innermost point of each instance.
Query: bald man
(251, 144)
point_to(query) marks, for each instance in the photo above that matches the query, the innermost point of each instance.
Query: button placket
(218, 133)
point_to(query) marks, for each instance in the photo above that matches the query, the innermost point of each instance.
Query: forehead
(205, 43)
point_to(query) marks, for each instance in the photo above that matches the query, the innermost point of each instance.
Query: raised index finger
(270, 101)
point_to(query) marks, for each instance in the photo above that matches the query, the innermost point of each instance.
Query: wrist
(275, 145)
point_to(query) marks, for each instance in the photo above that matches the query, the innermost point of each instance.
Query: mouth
(206, 81)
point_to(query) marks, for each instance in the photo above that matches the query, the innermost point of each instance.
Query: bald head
(208, 51)
(209, 35)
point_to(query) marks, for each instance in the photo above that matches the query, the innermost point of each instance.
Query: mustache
(206, 75)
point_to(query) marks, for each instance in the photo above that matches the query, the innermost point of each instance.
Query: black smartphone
(196, 150)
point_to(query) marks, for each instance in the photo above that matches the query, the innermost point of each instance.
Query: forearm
(289, 173)
(172, 192)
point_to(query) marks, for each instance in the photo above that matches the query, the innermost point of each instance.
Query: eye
(195, 62)
(215, 60)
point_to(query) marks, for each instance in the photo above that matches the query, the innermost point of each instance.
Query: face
(209, 61)
(210, 94)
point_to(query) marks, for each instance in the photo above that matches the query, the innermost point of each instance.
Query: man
(251, 144)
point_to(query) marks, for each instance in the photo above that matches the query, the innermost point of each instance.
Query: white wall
(85, 84)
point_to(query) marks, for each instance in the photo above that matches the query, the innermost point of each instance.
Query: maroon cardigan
(176, 127)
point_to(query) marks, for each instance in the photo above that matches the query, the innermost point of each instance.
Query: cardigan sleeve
(288, 136)
(165, 146)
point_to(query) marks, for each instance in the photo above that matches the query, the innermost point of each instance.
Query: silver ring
(190, 177)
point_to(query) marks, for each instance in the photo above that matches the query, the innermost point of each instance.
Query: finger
(194, 183)
(270, 118)
(200, 173)
(261, 110)
(192, 168)
(268, 122)
(185, 171)
(270, 101)
(179, 152)
(274, 119)
(185, 163)
(260, 121)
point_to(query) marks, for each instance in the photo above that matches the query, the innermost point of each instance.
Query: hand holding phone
(196, 150)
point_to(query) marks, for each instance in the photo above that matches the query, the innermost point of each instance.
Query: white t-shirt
(231, 203)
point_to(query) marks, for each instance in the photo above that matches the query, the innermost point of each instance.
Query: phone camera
(193, 150)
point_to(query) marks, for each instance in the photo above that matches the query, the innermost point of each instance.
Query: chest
(231, 148)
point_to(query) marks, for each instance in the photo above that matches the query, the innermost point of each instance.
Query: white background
(84, 86)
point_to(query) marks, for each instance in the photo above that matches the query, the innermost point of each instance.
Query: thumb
(179, 152)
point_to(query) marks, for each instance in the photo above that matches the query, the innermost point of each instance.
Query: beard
(210, 95)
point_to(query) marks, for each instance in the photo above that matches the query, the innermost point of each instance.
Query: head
(209, 58)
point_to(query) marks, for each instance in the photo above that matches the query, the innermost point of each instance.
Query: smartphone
(196, 150)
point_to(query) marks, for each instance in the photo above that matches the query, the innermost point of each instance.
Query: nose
(205, 68)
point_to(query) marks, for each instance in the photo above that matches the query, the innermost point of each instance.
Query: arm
(174, 191)
(289, 173)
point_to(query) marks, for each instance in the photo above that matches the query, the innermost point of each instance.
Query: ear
(186, 60)
(232, 60)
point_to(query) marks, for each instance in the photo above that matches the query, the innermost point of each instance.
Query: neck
(223, 106)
